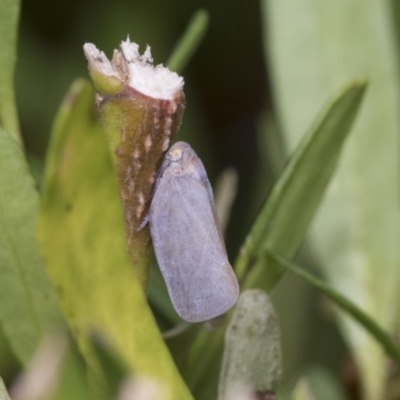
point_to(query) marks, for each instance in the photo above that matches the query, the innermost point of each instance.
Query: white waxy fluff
(154, 81)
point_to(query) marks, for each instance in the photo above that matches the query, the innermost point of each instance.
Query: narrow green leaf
(270, 143)
(9, 15)
(158, 295)
(189, 42)
(391, 348)
(28, 304)
(295, 197)
(115, 370)
(72, 381)
(3, 391)
(252, 359)
(312, 47)
(202, 369)
(82, 236)
(289, 209)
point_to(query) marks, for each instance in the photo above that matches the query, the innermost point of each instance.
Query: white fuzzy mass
(154, 81)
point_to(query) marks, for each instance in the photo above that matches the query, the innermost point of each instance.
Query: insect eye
(176, 154)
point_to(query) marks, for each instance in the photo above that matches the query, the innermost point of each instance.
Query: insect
(187, 238)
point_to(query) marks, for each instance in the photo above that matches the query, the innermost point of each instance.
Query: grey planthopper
(187, 238)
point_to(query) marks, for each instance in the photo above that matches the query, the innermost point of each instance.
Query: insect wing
(189, 248)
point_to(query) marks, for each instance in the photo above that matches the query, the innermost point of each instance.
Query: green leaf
(3, 391)
(202, 369)
(158, 295)
(295, 197)
(312, 47)
(115, 371)
(189, 42)
(9, 14)
(82, 236)
(252, 359)
(72, 380)
(391, 348)
(28, 304)
(289, 209)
